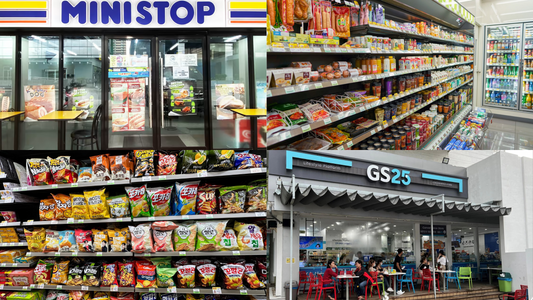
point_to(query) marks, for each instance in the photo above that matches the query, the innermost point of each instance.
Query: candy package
(80, 210)
(206, 203)
(232, 276)
(67, 241)
(249, 236)
(47, 210)
(232, 199)
(43, 271)
(139, 204)
(141, 239)
(186, 275)
(118, 239)
(84, 240)
(167, 164)
(194, 161)
(60, 272)
(206, 275)
(39, 168)
(97, 204)
(121, 167)
(185, 236)
(119, 206)
(144, 163)
(209, 235)
(51, 244)
(245, 160)
(256, 196)
(109, 274)
(100, 240)
(100, 165)
(125, 274)
(91, 273)
(35, 239)
(159, 198)
(63, 206)
(229, 241)
(146, 275)
(186, 193)
(220, 160)
(60, 169)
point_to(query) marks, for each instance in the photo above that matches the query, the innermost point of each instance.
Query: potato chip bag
(207, 199)
(159, 199)
(100, 165)
(162, 232)
(63, 206)
(97, 204)
(51, 244)
(164, 276)
(47, 210)
(35, 239)
(119, 206)
(186, 275)
(249, 236)
(185, 236)
(194, 161)
(141, 238)
(250, 278)
(209, 235)
(60, 169)
(144, 163)
(161, 262)
(91, 273)
(232, 276)
(186, 197)
(206, 275)
(75, 274)
(232, 199)
(167, 164)
(78, 295)
(84, 240)
(125, 274)
(220, 160)
(43, 272)
(140, 207)
(146, 275)
(229, 241)
(100, 240)
(118, 239)
(67, 241)
(80, 210)
(60, 272)
(39, 171)
(109, 275)
(256, 196)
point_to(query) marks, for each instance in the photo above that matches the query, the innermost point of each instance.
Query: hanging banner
(437, 229)
(128, 101)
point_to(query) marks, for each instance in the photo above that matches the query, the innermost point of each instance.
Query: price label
(185, 217)
(327, 50)
(74, 184)
(196, 291)
(28, 253)
(14, 265)
(306, 128)
(203, 173)
(244, 292)
(98, 253)
(171, 289)
(236, 252)
(384, 122)
(24, 188)
(341, 115)
(4, 223)
(334, 83)
(55, 186)
(341, 147)
(25, 287)
(147, 178)
(337, 49)
(70, 221)
(119, 220)
(151, 218)
(372, 132)
(182, 253)
(147, 254)
(57, 254)
(84, 288)
(319, 50)
(114, 288)
(260, 214)
(59, 287)
(1, 286)
(3, 264)
(209, 216)
(350, 113)
(75, 253)
(327, 121)
(53, 222)
(269, 93)
(304, 87)
(286, 135)
(355, 79)
(151, 290)
(16, 189)
(318, 85)
(81, 221)
(32, 286)
(256, 170)
(110, 182)
(217, 290)
(362, 109)
(349, 144)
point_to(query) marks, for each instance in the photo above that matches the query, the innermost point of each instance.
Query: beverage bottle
(378, 63)
(374, 64)
(487, 97)
(488, 83)
(524, 100)
(505, 60)
(517, 58)
(498, 97)
(504, 98)
(531, 87)
(515, 85)
(386, 65)
(363, 66)
(528, 99)
(526, 88)
(493, 97)
(505, 73)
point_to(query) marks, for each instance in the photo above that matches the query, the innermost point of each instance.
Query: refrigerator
(527, 74)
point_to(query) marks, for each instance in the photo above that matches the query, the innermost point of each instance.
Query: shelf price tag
(3, 264)
(286, 135)
(28, 254)
(53, 222)
(81, 221)
(171, 289)
(147, 254)
(110, 182)
(59, 287)
(304, 87)
(334, 83)
(151, 218)
(373, 132)
(269, 93)
(318, 85)
(84, 288)
(40, 286)
(182, 253)
(244, 292)
(196, 291)
(14, 265)
(119, 220)
(98, 253)
(306, 128)
(260, 214)
(319, 50)
(55, 186)
(75, 253)
(1, 286)
(25, 287)
(70, 221)
(147, 178)
(57, 254)
(74, 184)
(185, 217)
(349, 144)
(209, 216)
(203, 173)
(217, 290)
(114, 288)
(327, 121)
(151, 290)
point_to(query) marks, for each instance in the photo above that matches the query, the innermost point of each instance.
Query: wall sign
(383, 174)
(437, 229)
(311, 243)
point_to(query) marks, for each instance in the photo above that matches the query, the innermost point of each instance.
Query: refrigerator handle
(150, 90)
(161, 91)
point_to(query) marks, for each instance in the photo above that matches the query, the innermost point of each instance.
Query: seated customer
(331, 272)
(371, 264)
(381, 277)
(362, 280)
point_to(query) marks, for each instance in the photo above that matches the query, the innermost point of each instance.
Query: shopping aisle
(508, 135)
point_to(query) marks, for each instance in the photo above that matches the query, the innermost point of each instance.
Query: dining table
(345, 277)
(392, 275)
(490, 272)
(444, 272)
(4, 115)
(62, 117)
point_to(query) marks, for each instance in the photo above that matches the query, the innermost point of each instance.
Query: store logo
(386, 175)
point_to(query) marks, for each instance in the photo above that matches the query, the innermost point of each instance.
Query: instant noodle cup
(40, 171)
(210, 234)
(186, 276)
(141, 238)
(80, 210)
(232, 199)
(63, 206)
(47, 210)
(51, 244)
(100, 240)
(84, 239)
(164, 276)
(249, 236)
(159, 198)
(43, 272)
(232, 276)
(139, 202)
(125, 274)
(100, 165)
(67, 241)
(35, 239)
(118, 239)
(60, 272)
(186, 193)
(206, 275)
(250, 278)
(109, 274)
(97, 204)
(146, 275)
(229, 241)
(119, 206)
(185, 236)
(144, 163)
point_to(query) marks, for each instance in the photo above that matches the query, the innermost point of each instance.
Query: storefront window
(260, 85)
(39, 83)
(229, 89)
(7, 83)
(464, 245)
(82, 82)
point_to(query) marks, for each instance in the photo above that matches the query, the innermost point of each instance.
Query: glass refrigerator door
(502, 65)
(527, 78)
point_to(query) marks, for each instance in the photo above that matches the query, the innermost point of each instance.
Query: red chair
(321, 287)
(304, 279)
(312, 285)
(416, 276)
(426, 276)
(518, 295)
(374, 283)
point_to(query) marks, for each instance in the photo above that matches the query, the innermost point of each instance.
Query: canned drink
(417, 130)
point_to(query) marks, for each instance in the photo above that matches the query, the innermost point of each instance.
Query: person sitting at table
(381, 277)
(423, 265)
(371, 264)
(331, 272)
(398, 267)
(360, 282)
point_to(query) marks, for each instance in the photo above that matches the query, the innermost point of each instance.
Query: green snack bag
(232, 199)
(256, 196)
(164, 276)
(220, 160)
(194, 161)
(210, 234)
(161, 262)
(184, 236)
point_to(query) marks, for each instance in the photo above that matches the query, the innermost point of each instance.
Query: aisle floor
(508, 135)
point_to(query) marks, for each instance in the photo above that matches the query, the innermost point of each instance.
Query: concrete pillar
(476, 249)
(284, 257)
(417, 240)
(448, 243)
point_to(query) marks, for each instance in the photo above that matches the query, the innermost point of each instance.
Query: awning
(307, 194)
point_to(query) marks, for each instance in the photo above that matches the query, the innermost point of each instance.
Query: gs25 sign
(386, 175)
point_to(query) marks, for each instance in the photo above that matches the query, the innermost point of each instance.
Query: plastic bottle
(402, 64)
(378, 62)
(392, 63)
(369, 65)
(374, 64)
(386, 65)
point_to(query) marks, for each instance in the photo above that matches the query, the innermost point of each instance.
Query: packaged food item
(91, 274)
(185, 236)
(229, 241)
(67, 241)
(256, 196)
(47, 210)
(206, 275)
(301, 64)
(186, 193)
(220, 160)
(146, 275)
(109, 274)
(100, 240)
(60, 168)
(119, 206)
(101, 296)
(144, 163)
(139, 202)
(78, 295)
(249, 236)
(332, 135)
(84, 240)
(126, 274)
(262, 272)
(35, 239)
(302, 75)
(52, 295)
(210, 234)
(20, 277)
(60, 272)
(168, 296)
(164, 276)
(292, 113)
(186, 276)
(97, 204)
(40, 171)
(282, 77)
(100, 165)
(51, 243)
(314, 111)
(75, 274)
(232, 276)
(141, 238)
(310, 143)
(9, 216)
(118, 239)
(43, 271)
(194, 161)
(85, 174)
(162, 232)
(80, 210)
(121, 167)
(251, 279)
(148, 296)
(206, 203)
(232, 199)
(63, 206)
(275, 123)
(160, 200)
(168, 164)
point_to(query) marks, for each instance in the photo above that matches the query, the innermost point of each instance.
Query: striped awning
(307, 194)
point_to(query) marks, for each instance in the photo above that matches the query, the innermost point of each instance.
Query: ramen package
(43, 271)
(160, 200)
(249, 236)
(100, 240)
(139, 202)
(162, 232)
(67, 241)
(144, 163)
(40, 171)
(35, 239)
(206, 275)
(51, 244)
(245, 160)
(206, 204)
(164, 277)
(97, 204)
(100, 165)
(186, 197)
(146, 275)
(220, 160)
(250, 278)
(209, 235)
(109, 274)
(121, 167)
(141, 239)
(167, 164)
(84, 240)
(232, 199)
(125, 275)
(232, 276)
(80, 210)
(194, 161)
(60, 272)
(118, 239)
(91, 274)
(60, 169)
(63, 206)
(47, 210)
(85, 174)
(185, 236)
(186, 275)
(119, 206)
(229, 241)
(256, 197)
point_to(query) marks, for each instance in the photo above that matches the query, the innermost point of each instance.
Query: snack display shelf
(446, 129)
(202, 291)
(383, 29)
(81, 288)
(77, 221)
(70, 185)
(502, 90)
(364, 136)
(276, 50)
(17, 244)
(528, 80)
(9, 224)
(306, 128)
(527, 92)
(201, 175)
(503, 65)
(202, 253)
(528, 69)
(80, 254)
(202, 217)
(17, 265)
(14, 288)
(7, 201)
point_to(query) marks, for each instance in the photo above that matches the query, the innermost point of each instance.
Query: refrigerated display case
(527, 79)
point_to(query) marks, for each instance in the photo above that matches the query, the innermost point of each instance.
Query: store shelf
(202, 217)
(501, 90)
(528, 69)
(17, 265)
(446, 129)
(503, 65)
(73, 221)
(7, 201)
(54, 187)
(202, 254)
(499, 106)
(200, 175)
(18, 244)
(503, 51)
(80, 254)
(527, 92)
(203, 291)
(527, 80)
(14, 288)
(9, 224)
(80, 288)
(502, 77)
(342, 50)
(503, 38)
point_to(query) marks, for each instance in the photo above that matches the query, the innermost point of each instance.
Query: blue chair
(453, 276)
(407, 278)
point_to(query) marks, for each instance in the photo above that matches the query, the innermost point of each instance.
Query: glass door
(527, 79)
(181, 94)
(129, 97)
(502, 65)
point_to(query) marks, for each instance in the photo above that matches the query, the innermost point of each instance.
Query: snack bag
(232, 199)
(159, 199)
(209, 235)
(47, 210)
(109, 275)
(84, 240)
(9, 216)
(119, 206)
(60, 169)
(51, 243)
(78, 295)
(118, 239)
(91, 274)
(251, 279)
(141, 238)
(229, 241)
(161, 262)
(126, 275)
(256, 197)
(120, 167)
(185, 237)
(85, 174)
(100, 240)
(40, 171)
(168, 296)
(80, 210)
(139, 202)
(207, 199)
(43, 272)
(144, 163)
(162, 232)
(164, 277)
(60, 272)
(148, 296)
(186, 197)
(262, 272)
(245, 160)
(35, 239)
(97, 204)
(63, 206)
(146, 275)
(294, 115)
(232, 277)
(206, 275)
(100, 165)
(249, 236)
(220, 160)
(186, 276)
(75, 274)
(67, 241)
(167, 165)
(194, 161)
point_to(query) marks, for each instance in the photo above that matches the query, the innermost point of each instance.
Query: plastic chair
(376, 283)
(518, 295)
(312, 285)
(304, 279)
(91, 135)
(426, 276)
(465, 273)
(453, 276)
(407, 278)
(322, 288)
(416, 275)
(370, 283)
(524, 288)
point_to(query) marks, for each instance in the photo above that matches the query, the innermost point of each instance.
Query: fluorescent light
(518, 12)
(174, 46)
(231, 39)
(70, 52)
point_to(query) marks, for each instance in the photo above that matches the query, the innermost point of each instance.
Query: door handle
(150, 91)
(161, 91)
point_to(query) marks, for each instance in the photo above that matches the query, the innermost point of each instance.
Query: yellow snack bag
(118, 239)
(35, 239)
(101, 240)
(119, 206)
(97, 204)
(79, 207)
(249, 236)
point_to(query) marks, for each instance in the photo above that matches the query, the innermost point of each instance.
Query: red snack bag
(125, 275)
(43, 272)
(167, 164)
(84, 239)
(40, 171)
(60, 168)
(232, 275)
(109, 275)
(206, 203)
(146, 275)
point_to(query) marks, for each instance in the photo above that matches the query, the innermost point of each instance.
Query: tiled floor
(508, 135)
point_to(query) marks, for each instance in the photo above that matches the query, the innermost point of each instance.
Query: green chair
(465, 273)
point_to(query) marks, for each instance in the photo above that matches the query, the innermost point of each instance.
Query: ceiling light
(518, 12)
(70, 52)
(394, 225)
(404, 231)
(387, 228)
(469, 228)
(174, 46)
(232, 39)
(459, 229)
(485, 228)
(314, 222)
